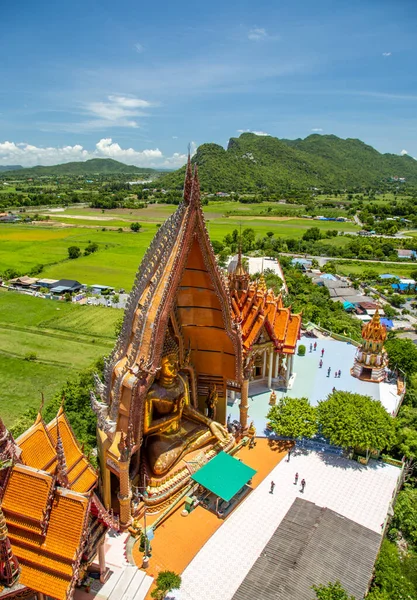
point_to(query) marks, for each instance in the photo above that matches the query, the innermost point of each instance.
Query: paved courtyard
(313, 383)
(360, 493)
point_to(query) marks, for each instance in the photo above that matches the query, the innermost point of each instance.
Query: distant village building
(406, 254)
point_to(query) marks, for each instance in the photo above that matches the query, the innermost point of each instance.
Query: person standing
(315, 346)
(339, 373)
(322, 352)
(289, 456)
(303, 484)
(329, 371)
(271, 491)
(296, 479)
(311, 347)
(320, 363)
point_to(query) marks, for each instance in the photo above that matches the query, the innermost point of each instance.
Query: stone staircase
(126, 583)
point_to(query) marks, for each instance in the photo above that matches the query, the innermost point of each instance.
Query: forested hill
(252, 162)
(95, 166)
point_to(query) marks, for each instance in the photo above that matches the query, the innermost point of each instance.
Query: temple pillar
(270, 366)
(288, 370)
(244, 405)
(125, 495)
(276, 366)
(40, 596)
(264, 365)
(102, 562)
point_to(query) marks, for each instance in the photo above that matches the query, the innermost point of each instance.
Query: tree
(293, 417)
(135, 226)
(402, 355)
(405, 514)
(353, 420)
(165, 582)
(331, 591)
(312, 235)
(91, 248)
(74, 252)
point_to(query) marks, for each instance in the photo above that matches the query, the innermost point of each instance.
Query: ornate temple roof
(374, 330)
(257, 308)
(48, 525)
(39, 450)
(178, 282)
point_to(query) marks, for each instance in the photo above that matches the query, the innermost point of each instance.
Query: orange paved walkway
(178, 539)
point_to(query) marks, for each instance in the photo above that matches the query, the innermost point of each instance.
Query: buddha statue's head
(170, 359)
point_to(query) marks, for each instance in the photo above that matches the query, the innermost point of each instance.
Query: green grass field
(66, 338)
(22, 247)
(346, 267)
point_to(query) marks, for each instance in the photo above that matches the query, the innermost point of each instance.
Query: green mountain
(10, 167)
(253, 162)
(95, 166)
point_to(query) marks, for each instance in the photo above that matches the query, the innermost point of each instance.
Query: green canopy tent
(224, 476)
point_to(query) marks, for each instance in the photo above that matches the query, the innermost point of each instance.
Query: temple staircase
(126, 583)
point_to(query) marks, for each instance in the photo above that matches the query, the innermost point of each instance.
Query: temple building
(269, 330)
(52, 523)
(188, 341)
(371, 360)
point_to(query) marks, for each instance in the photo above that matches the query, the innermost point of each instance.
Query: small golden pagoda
(371, 359)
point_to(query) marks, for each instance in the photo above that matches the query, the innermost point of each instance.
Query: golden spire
(262, 284)
(9, 566)
(374, 330)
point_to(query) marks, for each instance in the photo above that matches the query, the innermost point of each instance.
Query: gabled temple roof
(38, 445)
(46, 528)
(178, 279)
(256, 307)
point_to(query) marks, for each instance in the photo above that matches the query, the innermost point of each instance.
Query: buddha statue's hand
(219, 431)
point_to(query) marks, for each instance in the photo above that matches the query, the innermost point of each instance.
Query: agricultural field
(43, 344)
(23, 247)
(402, 270)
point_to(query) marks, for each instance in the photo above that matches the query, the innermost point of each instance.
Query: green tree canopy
(402, 354)
(74, 252)
(349, 419)
(331, 591)
(405, 514)
(293, 417)
(165, 582)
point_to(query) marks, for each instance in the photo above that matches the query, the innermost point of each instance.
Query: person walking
(271, 491)
(322, 352)
(320, 363)
(335, 373)
(311, 347)
(339, 373)
(329, 370)
(289, 456)
(315, 346)
(303, 484)
(296, 479)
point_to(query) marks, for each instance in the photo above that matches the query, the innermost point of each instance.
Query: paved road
(322, 260)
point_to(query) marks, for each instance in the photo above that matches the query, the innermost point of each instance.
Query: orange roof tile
(27, 494)
(81, 474)
(36, 446)
(293, 332)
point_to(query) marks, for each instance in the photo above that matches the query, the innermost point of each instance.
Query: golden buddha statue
(211, 401)
(172, 427)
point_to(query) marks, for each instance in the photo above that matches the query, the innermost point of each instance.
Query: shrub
(74, 252)
(301, 350)
(31, 356)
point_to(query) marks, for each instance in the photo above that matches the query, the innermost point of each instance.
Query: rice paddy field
(43, 344)
(23, 247)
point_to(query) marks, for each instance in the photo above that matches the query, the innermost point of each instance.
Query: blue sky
(138, 81)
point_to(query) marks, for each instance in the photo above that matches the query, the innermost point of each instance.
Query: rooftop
(324, 546)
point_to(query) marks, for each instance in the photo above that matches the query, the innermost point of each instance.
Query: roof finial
(195, 192)
(188, 182)
(62, 471)
(9, 566)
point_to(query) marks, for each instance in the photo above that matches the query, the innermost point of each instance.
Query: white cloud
(27, 155)
(117, 111)
(386, 53)
(261, 133)
(257, 33)
(139, 48)
(403, 152)
(317, 129)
